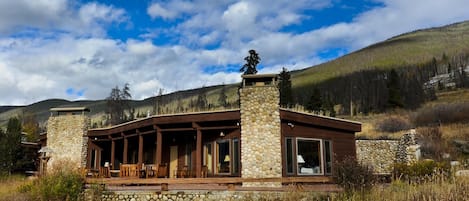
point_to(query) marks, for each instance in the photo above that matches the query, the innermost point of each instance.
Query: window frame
(321, 155)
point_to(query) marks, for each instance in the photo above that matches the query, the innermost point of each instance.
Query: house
(259, 140)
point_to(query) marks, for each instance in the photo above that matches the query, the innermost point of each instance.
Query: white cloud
(57, 15)
(81, 55)
(155, 10)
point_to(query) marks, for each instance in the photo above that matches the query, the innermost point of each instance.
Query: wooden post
(126, 146)
(88, 155)
(198, 154)
(113, 154)
(159, 146)
(140, 150)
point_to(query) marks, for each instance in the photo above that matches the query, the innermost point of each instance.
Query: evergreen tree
(315, 102)
(157, 107)
(328, 107)
(251, 62)
(117, 102)
(284, 86)
(202, 99)
(222, 97)
(10, 146)
(394, 90)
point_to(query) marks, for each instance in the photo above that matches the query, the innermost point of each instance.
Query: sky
(80, 49)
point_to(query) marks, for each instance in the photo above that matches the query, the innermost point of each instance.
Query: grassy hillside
(410, 48)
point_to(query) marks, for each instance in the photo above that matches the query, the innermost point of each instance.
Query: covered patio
(192, 145)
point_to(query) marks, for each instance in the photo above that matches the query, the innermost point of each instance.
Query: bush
(431, 142)
(421, 171)
(441, 113)
(63, 184)
(393, 124)
(352, 176)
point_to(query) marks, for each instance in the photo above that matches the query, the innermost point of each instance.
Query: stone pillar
(67, 138)
(260, 130)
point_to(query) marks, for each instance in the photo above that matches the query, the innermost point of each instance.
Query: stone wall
(382, 154)
(199, 195)
(66, 138)
(260, 134)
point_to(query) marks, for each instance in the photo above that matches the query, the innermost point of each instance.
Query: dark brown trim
(328, 122)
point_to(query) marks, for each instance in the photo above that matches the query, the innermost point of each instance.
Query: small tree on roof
(251, 62)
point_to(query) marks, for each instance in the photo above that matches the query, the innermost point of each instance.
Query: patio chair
(151, 170)
(129, 170)
(204, 171)
(104, 172)
(183, 172)
(162, 170)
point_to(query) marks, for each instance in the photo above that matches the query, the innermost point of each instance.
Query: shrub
(421, 171)
(352, 176)
(393, 124)
(64, 183)
(431, 142)
(441, 113)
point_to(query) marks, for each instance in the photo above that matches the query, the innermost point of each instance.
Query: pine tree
(10, 146)
(202, 99)
(315, 102)
(394, 90)
(117, 102)
(284, 85)
(222, 102)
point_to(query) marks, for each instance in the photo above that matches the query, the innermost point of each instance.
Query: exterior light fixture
(222, 134)
(291, 125)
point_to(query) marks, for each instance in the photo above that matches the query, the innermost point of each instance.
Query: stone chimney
(67, 137)
(260, 129)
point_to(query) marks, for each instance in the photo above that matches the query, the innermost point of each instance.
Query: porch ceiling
(168, 123)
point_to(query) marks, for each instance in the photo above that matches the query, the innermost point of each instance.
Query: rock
(462, 173)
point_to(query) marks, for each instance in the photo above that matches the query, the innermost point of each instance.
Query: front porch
(317, 183)
(194, 145)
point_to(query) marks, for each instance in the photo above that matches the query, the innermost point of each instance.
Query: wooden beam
(113, 154)
(159, 146)
(198, 154)
(140, 150)
(195, 125)
(176, 129)
(126, 146)
(219, 127)
(88, 155)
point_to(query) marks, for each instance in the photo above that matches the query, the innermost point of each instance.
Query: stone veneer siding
(66, 137)
(382, 154)
(260, 134)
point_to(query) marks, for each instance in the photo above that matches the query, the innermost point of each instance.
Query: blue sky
(80, 49)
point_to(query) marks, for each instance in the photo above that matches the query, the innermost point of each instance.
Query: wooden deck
(231, 183)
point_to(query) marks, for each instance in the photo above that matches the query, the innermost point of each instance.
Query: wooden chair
(204, 171)
(151, 170)
(104, 172)
(162, 170)
(129, 170)
(182, 172)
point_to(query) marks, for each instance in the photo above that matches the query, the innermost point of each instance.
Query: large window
(224, 159)
(208, 157)
(308, 156)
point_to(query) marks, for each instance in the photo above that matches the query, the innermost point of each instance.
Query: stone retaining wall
(382, 154)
